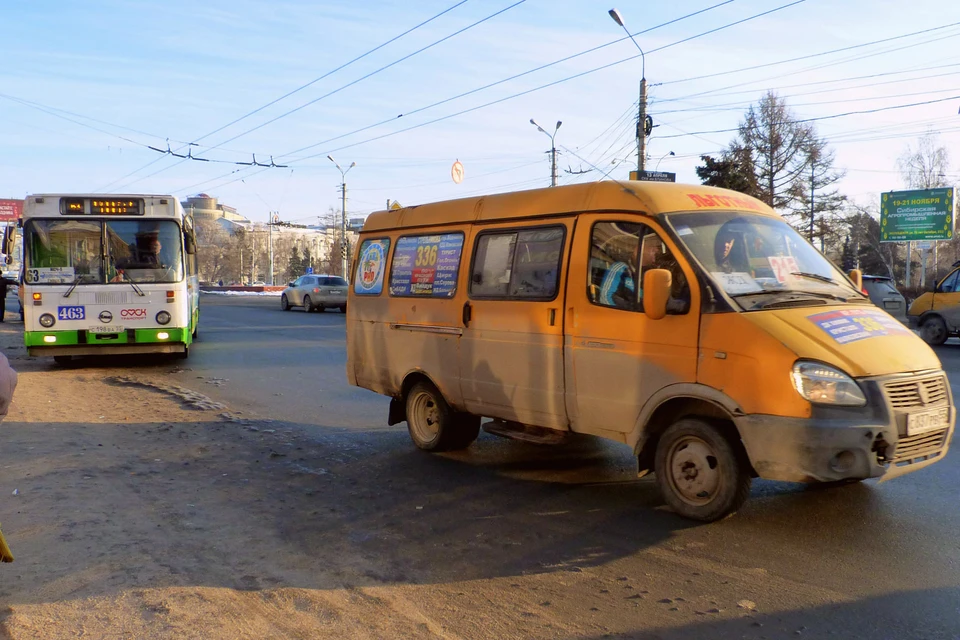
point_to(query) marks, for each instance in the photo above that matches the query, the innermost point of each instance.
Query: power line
(505, 80)
(807, 57)
(329, 73)
(369, 75)
(394, 39)
(830, 117)
(529, 91)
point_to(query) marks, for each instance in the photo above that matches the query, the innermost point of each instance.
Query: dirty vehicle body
(883, 293)
(691, 324)
(937, 313)
(315, 292)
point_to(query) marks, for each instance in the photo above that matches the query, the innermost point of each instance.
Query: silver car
(884, 294)
(315, 292)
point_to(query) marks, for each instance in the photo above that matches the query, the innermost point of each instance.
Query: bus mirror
(190, 244)
(857, 277)
(656, 292)
(9, 240)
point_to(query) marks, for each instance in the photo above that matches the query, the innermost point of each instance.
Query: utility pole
(343, 216)
(270, 227)
(811, 207)
(553, 149)
(642, 115)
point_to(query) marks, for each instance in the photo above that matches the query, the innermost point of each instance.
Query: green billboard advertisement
(924, 214)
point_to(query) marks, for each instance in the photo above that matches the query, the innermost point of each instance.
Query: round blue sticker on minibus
(851, 325)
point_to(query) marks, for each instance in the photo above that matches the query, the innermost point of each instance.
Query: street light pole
(343, 216)
(642, 116)
(553, 149)
(657, 168)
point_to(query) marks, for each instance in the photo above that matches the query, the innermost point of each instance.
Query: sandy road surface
(142, 511)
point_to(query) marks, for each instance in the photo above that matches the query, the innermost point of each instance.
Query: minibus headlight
(47, 320)
(822, 384)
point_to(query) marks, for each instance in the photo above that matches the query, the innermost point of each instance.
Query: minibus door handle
(467, 313)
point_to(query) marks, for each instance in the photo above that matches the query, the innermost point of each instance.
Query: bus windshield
(99, 252)
(750, 255)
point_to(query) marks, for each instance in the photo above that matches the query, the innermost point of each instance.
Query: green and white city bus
(110, 274)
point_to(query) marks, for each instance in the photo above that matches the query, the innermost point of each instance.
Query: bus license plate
(918, 423)
(105, 329)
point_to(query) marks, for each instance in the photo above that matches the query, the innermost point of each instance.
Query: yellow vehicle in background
(689, 323)
(5, 554)
(937, 313)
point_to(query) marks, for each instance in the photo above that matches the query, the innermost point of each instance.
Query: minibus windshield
(753, 257)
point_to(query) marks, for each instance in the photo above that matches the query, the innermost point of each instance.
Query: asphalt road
(872, 560)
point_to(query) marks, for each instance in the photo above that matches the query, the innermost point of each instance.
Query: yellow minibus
(689, 323)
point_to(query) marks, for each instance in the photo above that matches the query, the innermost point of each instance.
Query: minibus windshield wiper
(814, 276)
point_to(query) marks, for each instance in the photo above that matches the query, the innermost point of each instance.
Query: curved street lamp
(641, 121)
(657, 168)
(343, 216)
(553, 149)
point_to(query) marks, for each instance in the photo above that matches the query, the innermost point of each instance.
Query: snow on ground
(275, 294)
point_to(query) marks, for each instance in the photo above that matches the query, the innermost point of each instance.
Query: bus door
(511, 350)
(616, 357)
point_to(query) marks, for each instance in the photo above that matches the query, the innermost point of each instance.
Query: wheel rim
(424, 417)
(933, 331)
(694, 472)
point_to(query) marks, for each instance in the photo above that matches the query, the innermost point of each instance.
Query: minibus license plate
(105, 329)
(918, 423)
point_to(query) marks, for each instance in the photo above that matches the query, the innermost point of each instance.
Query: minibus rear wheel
(701, 473)
(433, 425)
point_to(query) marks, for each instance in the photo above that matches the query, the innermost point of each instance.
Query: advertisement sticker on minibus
(426, 265)
(850, 325)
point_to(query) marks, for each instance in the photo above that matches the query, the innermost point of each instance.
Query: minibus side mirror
(857, 277)
(656, 292)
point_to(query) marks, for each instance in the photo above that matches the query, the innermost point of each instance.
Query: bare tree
(927, 165)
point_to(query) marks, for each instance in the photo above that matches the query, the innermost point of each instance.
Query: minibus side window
(426, 266)
(949, 284)
(371, 265)
(618, 251)
(517, 264)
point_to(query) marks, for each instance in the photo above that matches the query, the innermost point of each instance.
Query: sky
(405, 89)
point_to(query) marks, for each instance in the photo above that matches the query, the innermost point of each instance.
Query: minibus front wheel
(701, 473)
(433, 425)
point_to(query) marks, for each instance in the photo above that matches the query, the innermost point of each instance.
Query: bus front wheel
(702, 473)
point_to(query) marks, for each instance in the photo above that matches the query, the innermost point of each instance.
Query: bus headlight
(822, 384)
(47, 320)
(163, 317)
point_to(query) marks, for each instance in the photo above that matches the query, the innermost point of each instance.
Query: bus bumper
(106, 350)
(84, 343)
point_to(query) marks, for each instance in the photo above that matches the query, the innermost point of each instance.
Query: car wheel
(433, 425)
(284, 303)
(701, 473)
(934, 331)
(307, 304)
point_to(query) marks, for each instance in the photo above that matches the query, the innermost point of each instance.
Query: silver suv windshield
(759, 260)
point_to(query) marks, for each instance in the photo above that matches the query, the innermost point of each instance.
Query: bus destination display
(102, 206)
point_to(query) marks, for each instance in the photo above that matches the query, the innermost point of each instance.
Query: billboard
(923, 214)
(11, 210)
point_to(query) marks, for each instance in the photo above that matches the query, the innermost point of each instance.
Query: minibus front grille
(913, 392)
(913, 449)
